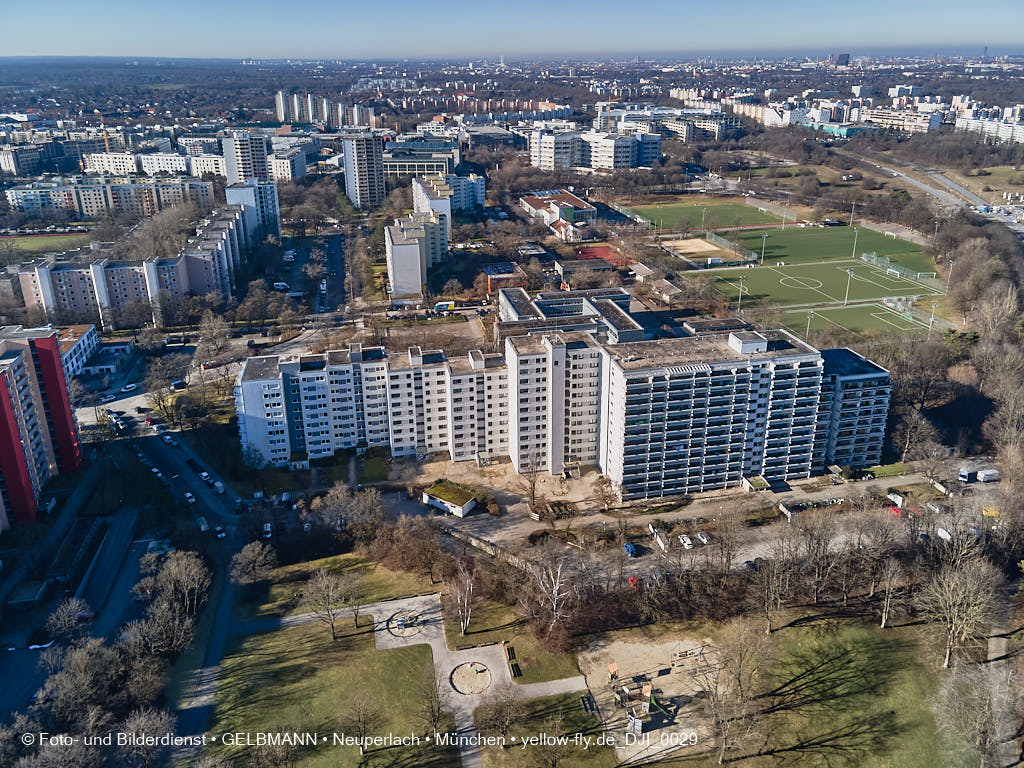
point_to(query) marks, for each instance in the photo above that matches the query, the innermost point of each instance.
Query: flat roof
(500, 268)
(260, 368)
(694, 350)
(845, 362)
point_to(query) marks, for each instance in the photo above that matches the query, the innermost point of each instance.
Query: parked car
(220, 533)
(129, 387)
(108, 398)
(686, 541)
(190, 497)
(631, 549)
(204, 476)
(703, 538)
(268, 530)
(167, 439)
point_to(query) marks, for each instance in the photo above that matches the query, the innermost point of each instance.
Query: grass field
(810, 284)
(687, 213)
(996, 178)
(45, 242)
(494, 622)
(279, 595)
(859, 318)
(554, 716)
(796, 245)
(299, 680)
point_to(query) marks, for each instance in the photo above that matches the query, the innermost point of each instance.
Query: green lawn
(46, 242)
(810, 284)
(687, 214)
(542, 715)
(877, 682)
(375, 470)
(298, 679)
(494, 622)
(796, 245)
(452, 492)
(860, 318)
(279, 595)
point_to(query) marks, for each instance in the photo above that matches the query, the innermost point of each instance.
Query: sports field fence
(721, 242)
(928, 279)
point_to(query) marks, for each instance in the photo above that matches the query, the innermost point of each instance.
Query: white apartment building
(1000, 130)
(421, 402)
(93, 196)
(114, 163)
(412, 245)
(553, 150)
(432, 193)
(204, 164)
(364, 170)
(20, 160)
(658, 418)
(199, 145)
(245, 156)
(259, 203)
(288, 165)
(468, 192)
(598, 150)
(161, 162)
(902, 120)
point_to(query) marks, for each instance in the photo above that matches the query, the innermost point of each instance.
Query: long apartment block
(573, 390)
(95, 282)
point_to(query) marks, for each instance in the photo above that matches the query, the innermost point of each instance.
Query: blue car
(631, 549)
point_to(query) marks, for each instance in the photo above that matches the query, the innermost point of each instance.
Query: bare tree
(184, 579)
(972, 706)
(66, 621)
(253, 564)
(961, 598)
(605, 492)
(325, 594)
(891, 583)
(732, 681)
(431, 694)
(817, 534)
(551, 577)
(360, 716)
(460, 587)
(530, 467)
(146, 722)
(503, 709)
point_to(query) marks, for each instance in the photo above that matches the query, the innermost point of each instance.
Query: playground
(688, 213)
(650, 690)
(858, 318)
(815, 283)
(802, 245)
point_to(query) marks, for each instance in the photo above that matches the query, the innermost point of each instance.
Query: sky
(397, 29)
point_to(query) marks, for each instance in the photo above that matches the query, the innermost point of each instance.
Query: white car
(268, 530)
(129, 387)
(108, 398)
(204, 476)
(167, 439)
(189, 497)
(686, 541)
(704, 538)
(220, 532)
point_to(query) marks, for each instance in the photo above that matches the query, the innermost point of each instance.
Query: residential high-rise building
(39, 438)
(288, 165)
(93, 196)
(245, 157)
(364, 170)
(575, 388)
(280, 107)
(432, 193)
(468, 192)
(258, 200)
(412, 245)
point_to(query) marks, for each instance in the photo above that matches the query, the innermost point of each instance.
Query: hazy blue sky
(452, 28)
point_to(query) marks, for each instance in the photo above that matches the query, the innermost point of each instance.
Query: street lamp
(856, 231)
(931, 320)
(949, 275)
(764, 239)
(703, 213)
(739, 303)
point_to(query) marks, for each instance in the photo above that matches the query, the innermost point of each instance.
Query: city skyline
(464, 31)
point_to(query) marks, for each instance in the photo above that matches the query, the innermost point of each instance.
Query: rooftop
(704, 349)
(846, 362)
(260, 368)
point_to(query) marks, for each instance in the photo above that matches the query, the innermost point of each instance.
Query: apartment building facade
(245, 157)
(39, 438)
(658, 418)
(364, 170)
(94, 196)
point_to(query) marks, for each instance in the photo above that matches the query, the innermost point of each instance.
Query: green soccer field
(796, 245)
(812, 284)
(686, 215)
(859, 318)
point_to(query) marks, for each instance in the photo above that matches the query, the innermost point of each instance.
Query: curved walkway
(431, 632)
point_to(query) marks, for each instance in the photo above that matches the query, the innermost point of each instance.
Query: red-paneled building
(38, 432)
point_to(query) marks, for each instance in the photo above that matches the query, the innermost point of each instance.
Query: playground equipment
(638, 699)
(689, 658)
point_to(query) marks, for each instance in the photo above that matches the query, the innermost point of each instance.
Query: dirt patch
(471, 678)
(665, 670)
(692, 245)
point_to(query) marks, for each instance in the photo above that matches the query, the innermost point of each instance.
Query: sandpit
(404, 624)
(691, 245)
(471, 678)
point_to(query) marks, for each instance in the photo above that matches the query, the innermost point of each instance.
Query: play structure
(638, 698)
(404, 624)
